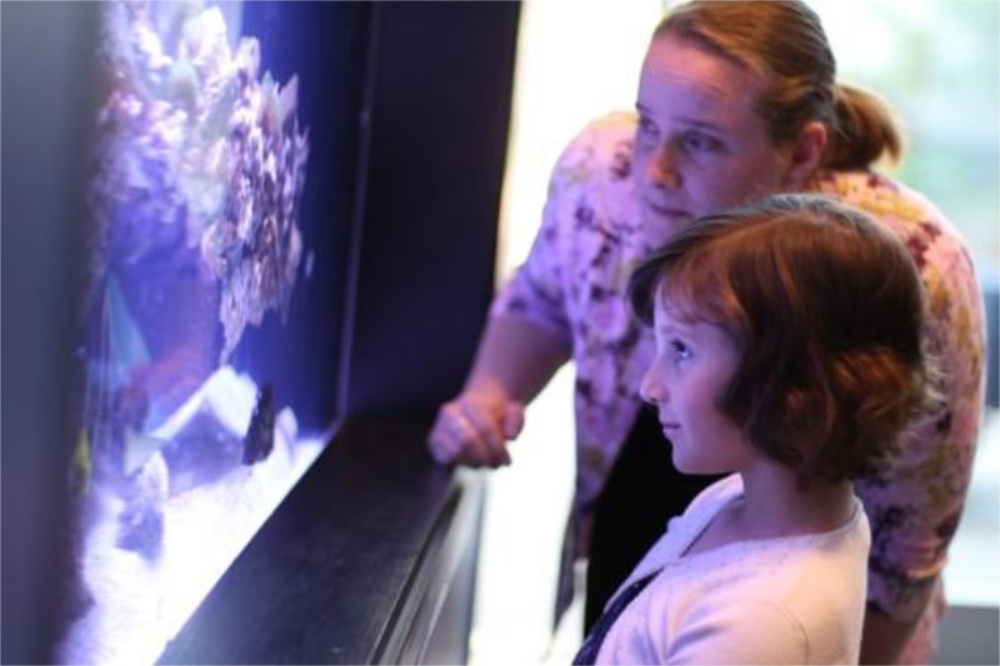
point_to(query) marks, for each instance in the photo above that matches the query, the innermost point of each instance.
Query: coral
(256, 248)
(201, 163)
(199, 170)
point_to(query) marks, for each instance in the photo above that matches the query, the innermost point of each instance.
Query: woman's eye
(701, 143)
(647, 129)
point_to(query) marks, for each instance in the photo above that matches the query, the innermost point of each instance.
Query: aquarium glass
(223, 207)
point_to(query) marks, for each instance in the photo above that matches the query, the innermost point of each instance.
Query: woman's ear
(806, 153)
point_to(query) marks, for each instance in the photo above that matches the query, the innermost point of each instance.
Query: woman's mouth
(667, 212)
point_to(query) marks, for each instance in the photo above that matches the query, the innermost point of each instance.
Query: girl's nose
(651, 389)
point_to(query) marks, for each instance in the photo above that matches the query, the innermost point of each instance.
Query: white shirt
(790, 600)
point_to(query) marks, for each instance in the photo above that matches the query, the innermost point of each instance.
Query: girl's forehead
(680, 313)
(672, 311)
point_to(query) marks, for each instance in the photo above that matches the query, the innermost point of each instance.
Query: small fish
(259, 440)
(82, 467)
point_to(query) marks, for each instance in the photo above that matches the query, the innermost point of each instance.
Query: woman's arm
(515, 360)
(883, 638)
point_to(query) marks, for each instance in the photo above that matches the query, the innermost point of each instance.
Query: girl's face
(700, 146)
(694, 364)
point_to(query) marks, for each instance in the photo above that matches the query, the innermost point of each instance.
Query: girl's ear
(806, 153)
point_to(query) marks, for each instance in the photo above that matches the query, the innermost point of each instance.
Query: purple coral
(255, 247)
(199, 159)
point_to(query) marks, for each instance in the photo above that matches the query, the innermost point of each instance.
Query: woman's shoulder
(937, 247)
(601, 151)
(879, 194)
(610, 128)
(591, 193)
(889, 201)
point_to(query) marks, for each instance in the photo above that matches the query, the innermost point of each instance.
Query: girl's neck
(773, 504)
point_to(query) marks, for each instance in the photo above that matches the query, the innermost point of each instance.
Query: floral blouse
(573, 284)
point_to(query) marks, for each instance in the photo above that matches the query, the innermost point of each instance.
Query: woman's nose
(662, 171)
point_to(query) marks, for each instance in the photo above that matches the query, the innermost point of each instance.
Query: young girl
(788, 353)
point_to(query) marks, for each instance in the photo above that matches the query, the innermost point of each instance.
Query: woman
(736, 100)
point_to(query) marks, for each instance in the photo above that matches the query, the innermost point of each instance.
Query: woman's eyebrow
(694, 122)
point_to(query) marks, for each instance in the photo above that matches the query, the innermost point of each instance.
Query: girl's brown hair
(826, 308)
(783, 41)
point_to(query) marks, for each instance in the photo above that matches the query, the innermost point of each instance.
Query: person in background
(736, 101)
(788, 353)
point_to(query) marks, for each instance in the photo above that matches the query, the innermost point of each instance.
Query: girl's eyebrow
(676, 328)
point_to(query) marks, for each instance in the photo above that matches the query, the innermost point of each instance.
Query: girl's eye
(679, 351)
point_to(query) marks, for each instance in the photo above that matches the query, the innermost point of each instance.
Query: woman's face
(700, 147)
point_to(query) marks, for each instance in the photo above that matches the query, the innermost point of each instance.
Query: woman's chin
(658, 229)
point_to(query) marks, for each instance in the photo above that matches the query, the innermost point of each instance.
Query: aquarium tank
(223, 201)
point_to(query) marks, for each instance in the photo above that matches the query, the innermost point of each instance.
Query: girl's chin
(685, 465)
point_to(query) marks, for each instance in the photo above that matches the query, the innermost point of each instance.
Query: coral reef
(201, 162)
(198, 172)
